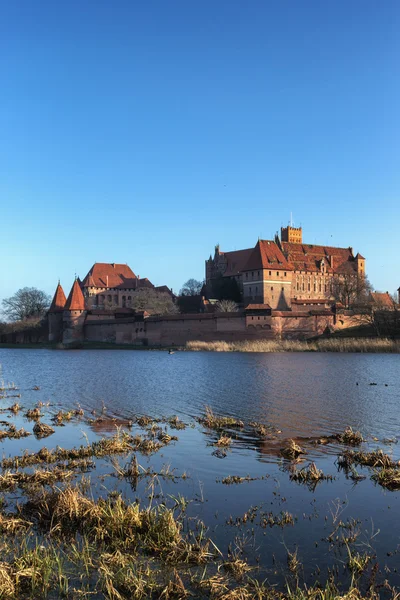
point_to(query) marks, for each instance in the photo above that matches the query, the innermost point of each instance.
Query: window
(270, 273)
(258, 273)
(283, 289)
(116, 300)
(109, 298)
(284, 274)
(256, 290)
(123, 301)
(309, 286)
(258, 318)
(250, 290)
(272, 288)
(252, 273)
(247, 275)
(277, 274)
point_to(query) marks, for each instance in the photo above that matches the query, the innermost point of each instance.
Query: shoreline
(333, 344)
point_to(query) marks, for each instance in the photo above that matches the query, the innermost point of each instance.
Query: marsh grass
(309, 474)
(376, 458)
(388, 478)
(292, 450)
(223, 441)
(42, 430)
(320, 345)
(350, 437)
(213, 421)
(13, 432)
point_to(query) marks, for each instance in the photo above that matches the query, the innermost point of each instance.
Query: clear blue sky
(146, 132)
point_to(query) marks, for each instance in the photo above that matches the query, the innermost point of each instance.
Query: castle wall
(55, 324)
(179, 329)
(73, 322)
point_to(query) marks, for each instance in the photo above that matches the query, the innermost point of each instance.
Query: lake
(303, 396)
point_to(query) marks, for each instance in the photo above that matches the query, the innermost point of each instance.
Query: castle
(284, 273)
(285, 289)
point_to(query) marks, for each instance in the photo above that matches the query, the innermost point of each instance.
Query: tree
(156, 303)
(27, 303)
(225, 288)
(227, 306)
(192, 287)
(351, 289)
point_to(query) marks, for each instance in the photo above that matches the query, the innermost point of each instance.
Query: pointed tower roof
(75, 301)
(59, 300)
(88, 281)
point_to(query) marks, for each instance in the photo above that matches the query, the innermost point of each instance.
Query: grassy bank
(321, 345)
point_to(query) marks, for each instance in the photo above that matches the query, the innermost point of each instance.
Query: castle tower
(74, 315)
(55, 315)
(292, 234)
(360, 265)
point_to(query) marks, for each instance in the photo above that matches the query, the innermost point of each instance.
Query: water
(302, 394)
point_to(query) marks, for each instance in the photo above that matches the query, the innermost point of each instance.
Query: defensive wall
(176, 330)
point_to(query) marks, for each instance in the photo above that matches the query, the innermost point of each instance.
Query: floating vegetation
(13, 432)
(388, 478)
(41, 430)
(213, 421)
(33, 414)
(281, 520)
(309, 474)
(350, 437)
(63, 416)
(175, 423)
(357, 563)
(223, 441)
(233, 479)
(10, 480)
(376, 458)
(292, 450)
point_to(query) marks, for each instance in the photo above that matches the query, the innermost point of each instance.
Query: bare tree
(192, 287)
(156, 303)
(27, 303)
(351, 289)
(227, 306)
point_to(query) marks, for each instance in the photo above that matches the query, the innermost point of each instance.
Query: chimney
(106, 280)
(331, 261)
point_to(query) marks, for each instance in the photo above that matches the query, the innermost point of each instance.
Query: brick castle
(285, 287)
(285, 272)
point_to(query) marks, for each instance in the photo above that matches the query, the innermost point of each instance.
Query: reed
(320, 345)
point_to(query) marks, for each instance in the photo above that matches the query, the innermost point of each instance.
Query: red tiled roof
(236, 261)
(111, 275)
(59, 300)
(75, 301)
(382, 299)
(258, 307)
(164, 289)
(307, 257)
(267, 255)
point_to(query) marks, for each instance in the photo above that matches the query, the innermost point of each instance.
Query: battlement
(292, 234)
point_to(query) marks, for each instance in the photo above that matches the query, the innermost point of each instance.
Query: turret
(55, 315)
(360, 265)
(74, 315)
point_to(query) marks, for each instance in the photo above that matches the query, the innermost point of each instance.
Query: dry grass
(350, 437)
(13, 432)
(376, 458)
(41, 430)
(223, 441)
(309, 474)
(388, 478)
(321, 345)
(213, 421)
(292, 450)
